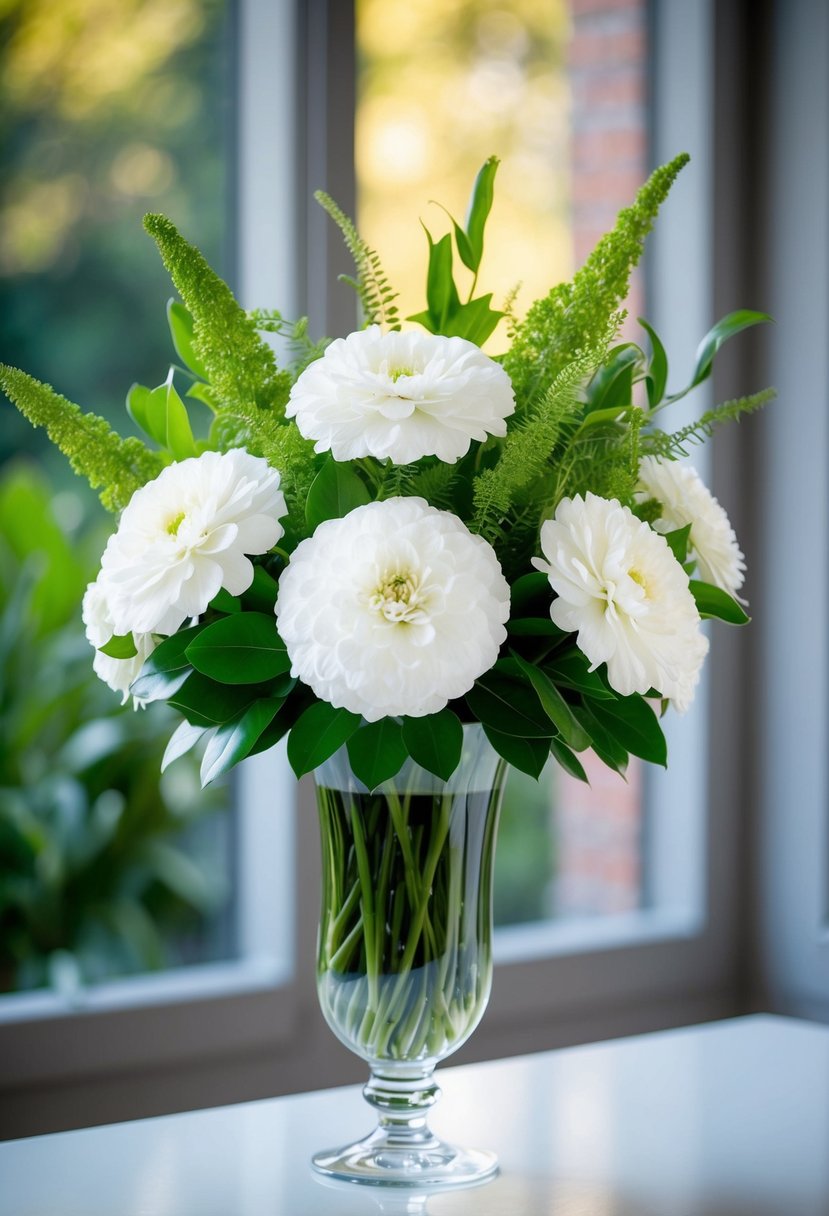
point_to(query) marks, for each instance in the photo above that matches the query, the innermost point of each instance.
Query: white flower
(117, 673)
(685, 499)
(185, 535)
(401, 395)
(394, 609)
(621, 588)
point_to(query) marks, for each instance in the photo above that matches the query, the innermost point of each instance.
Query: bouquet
(382, 537)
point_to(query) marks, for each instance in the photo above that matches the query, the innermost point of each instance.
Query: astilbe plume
(114, 466)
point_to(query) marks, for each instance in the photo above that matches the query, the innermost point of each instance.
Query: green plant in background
(95, 880)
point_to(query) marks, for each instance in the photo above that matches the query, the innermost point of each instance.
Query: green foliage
(575, 316)
(335, 491)
(104, 866)
(240, 366)
(376, 294)
(302, 347)
(670, 445)
(114, 466)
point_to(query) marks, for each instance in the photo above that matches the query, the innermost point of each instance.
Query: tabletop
(727, 1119)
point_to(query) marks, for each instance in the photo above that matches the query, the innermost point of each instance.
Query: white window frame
(235, 1031)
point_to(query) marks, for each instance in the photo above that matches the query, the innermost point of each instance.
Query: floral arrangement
(396, 533)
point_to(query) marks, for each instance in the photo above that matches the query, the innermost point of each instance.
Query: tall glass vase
(405, 949)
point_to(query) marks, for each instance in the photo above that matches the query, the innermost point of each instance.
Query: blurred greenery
(106, 868)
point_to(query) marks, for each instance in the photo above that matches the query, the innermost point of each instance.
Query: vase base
(382, 1160)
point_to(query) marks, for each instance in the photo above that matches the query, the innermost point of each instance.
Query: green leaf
(678, 543)
(510, 706)
(244, 648)
(203, 702)
(465, 251)
(534, 627)
(480, 205)
(435, 742)
(183, 739)
(120, 646)
(657, 377)
(335, 491)
(572, 670)
(317, 733)
(167, 667)
(634, 725)
(261, 594)
(604, 742)
(569, 762)
(441, 293)
(612, 385)
(530, 595)
(148, 409)
(714, 602)
(181, 331)
(234, 740)
(555, 707)
(223, 601)
(377, 751)
(475, 320)
(726, 328)
(178, 434)
(528, 755)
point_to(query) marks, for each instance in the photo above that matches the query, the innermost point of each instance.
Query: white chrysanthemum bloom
(685, 499)
(185, 535)
(394, 609)
(621, 589)
(401, 395)
(117, 673)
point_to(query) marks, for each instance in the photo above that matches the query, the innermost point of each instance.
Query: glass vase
(405, 949)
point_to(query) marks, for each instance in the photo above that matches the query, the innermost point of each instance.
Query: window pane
(557, 90)
(110, 108)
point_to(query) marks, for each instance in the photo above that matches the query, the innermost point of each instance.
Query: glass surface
(405, 947)
(558, 91)
(109, 109)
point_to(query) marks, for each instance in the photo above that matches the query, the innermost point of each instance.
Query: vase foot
(381, 1160)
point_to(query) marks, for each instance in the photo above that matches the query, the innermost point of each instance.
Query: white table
(730, 1119)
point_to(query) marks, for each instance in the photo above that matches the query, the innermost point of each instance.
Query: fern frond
(241, 366)
(304, 349)
(114, 466)
(436, 484)
(670, 446)
(376, 294)
(528, 446)
(574, 315)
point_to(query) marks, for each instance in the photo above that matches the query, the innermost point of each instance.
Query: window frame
(248, 1033)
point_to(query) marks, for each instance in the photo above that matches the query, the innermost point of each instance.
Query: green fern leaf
(376, 294)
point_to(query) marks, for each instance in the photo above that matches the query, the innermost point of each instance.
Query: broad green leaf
(604, 742)
(204, 393)
(261, 594)
(480, 205)
(528, 755)
(183, 739)
(435, 742)
(203, 702)
(148, 409)
(244, 648)
(167, 667)
(727, 327)
(120, 646)
(657, 377)
(615, 413)
(233, 741)
(678, 543)
(714, 602)
(474, 321)
(335, 491)
(377, 751)
(464, 248)
(441, 293)
(634, 725)
(178, 433)
(534, 627)
(568, 761)
(612, 385)
(555, 707)
(508, 705)
(223, 601)
(530, 595)
(181, 331)
(319, 732)
(572, 670)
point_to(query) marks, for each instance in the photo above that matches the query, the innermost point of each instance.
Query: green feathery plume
(114, 466)
(528, 447)
(376, 294)
(282, 446)
(661, 443)
(575, 315)
(240, 365)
